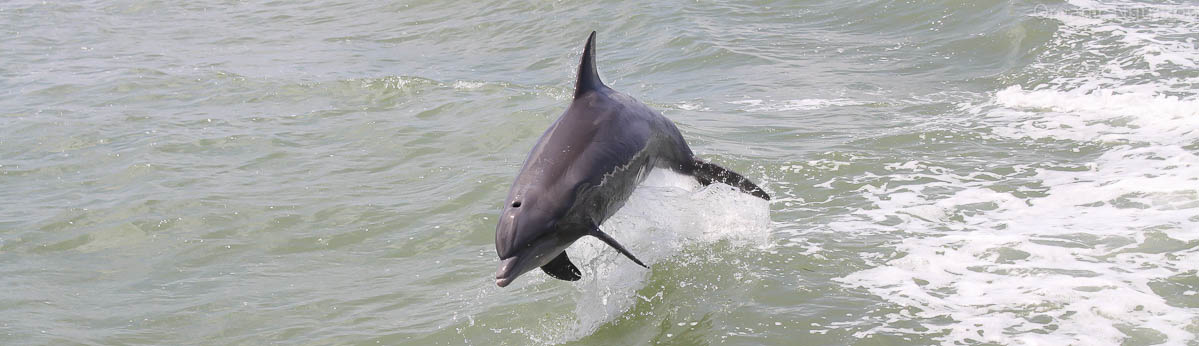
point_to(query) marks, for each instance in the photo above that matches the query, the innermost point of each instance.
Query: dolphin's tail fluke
(707, 173)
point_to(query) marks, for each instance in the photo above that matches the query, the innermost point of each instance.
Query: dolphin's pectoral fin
(595, 232)
(707, 173)
(560, 268)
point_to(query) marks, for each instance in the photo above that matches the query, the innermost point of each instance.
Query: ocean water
(983, 172)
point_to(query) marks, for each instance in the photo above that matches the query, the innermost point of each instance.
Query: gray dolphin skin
(581, 172)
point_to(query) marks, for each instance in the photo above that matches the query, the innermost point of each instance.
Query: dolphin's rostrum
(581, 172)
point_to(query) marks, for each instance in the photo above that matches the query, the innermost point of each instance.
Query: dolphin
(581, 172)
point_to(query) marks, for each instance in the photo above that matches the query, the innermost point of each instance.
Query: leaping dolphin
(581, 172)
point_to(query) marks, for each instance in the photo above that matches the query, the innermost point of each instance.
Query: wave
(1055, 253)
(667, 213)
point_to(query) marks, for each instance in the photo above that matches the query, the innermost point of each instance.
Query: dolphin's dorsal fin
(588, 79)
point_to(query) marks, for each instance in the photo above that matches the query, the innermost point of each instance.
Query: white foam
(754, 105)
(1102, 115)
(970, 280)
(1071, 256)
(692, 106)
(465, 85)
(668, 212)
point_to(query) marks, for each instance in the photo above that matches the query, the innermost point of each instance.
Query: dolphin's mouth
(537, 254)
(507, 271)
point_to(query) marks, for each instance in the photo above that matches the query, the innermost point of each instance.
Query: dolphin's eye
(516, 204)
